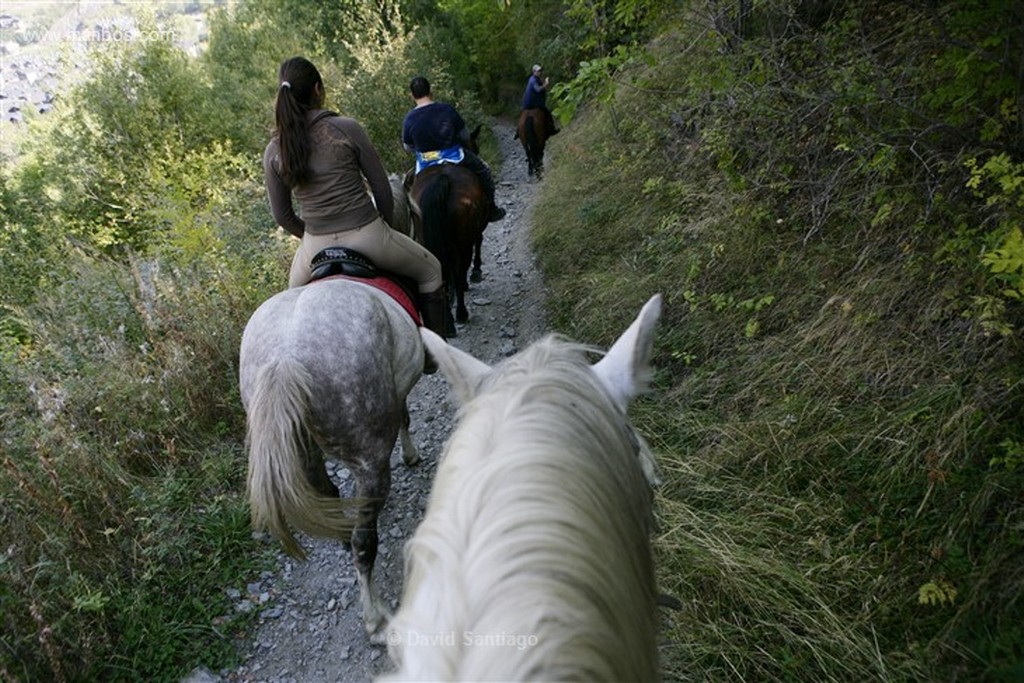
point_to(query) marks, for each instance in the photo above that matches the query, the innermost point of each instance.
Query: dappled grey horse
(324, 371)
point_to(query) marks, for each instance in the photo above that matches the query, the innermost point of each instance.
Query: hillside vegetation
(829, 195)
(832, 205)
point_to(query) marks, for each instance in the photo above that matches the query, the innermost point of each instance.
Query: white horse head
(533, 560)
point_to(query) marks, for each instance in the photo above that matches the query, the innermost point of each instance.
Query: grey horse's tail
(281, 497)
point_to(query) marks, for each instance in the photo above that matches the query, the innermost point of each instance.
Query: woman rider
(325, 161)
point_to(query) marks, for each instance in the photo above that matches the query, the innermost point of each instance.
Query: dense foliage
(829, 195)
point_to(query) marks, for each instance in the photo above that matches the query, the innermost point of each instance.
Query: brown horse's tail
(434, 207)
(531, 136)
(280, 494)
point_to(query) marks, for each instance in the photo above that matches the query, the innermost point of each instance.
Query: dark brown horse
(533, 133)
(454, 208)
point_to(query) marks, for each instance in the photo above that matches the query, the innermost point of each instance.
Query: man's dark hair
(419, 87)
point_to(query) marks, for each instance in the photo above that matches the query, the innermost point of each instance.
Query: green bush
(123, 474)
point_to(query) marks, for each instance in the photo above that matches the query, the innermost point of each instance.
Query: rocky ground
(310, 629)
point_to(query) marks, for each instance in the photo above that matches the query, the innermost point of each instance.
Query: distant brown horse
(533, 133)
(454, 209)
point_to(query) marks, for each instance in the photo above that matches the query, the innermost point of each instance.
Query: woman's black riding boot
(433, 307)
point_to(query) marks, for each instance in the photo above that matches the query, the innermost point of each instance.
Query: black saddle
(342, 261)
(349, 262)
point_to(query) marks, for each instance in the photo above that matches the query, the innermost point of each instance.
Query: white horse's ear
(626, 369)
(463, 371)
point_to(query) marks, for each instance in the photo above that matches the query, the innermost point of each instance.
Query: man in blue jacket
(536, 96)
(436, 128)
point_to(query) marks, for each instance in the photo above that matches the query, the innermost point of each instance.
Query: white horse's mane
(533, 559)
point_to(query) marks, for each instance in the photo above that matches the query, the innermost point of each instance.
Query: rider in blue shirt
(437, 127)
(536, 96)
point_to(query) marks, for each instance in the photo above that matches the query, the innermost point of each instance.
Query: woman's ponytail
(296, 95)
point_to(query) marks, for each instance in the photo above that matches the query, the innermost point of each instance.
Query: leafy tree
(91, 167)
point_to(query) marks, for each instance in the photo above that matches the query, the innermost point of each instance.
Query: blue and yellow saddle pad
(451, 155)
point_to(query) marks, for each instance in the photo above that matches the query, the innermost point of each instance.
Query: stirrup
(496, 214)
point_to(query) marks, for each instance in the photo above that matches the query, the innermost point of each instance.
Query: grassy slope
(825, 423)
